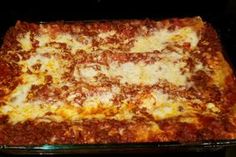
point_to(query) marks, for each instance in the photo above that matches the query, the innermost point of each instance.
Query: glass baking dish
(120, 148)
(224, 33)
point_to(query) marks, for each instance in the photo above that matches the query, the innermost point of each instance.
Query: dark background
(220, 13)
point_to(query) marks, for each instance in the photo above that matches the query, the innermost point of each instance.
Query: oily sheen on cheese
(158, 40)
(133, 81)
(168, 68)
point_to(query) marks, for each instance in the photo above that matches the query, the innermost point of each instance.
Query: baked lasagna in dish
(121, 81)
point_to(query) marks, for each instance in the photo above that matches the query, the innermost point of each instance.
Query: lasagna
(121, 81)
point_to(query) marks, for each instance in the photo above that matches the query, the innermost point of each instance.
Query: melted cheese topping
(166, 69)
(105, 35)
(150, 74)
(48, 66)
(25, 42)
(48, 60)
(72, 42)
(161, 106)
(158, 40)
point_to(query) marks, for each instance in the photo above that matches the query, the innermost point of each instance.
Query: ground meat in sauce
(143, 127)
